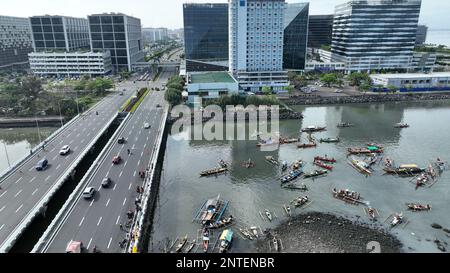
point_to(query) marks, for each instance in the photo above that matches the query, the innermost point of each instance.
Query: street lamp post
(60, 116)
(37, 126)
(7, 156)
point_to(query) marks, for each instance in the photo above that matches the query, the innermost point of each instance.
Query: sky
(169, 13)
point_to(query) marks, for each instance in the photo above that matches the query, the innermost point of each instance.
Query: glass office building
(206, 36)
(295, 36)
(320, 30)
(121, 35)
(15, 42)
(59, 33)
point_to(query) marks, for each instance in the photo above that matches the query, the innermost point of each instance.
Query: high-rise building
(421, 37)
(374, 34)
(320, 30)
(152, 35)
(256, 32)
(15, 41)
(206, 36)
(121, 35)
(59, 33)
(295, 36)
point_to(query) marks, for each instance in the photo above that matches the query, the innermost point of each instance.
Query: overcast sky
(169, 13)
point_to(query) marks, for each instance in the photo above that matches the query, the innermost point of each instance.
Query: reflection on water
(182, 191)
(18, 142)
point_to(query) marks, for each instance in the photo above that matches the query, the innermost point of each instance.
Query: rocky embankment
(367, 98)
(326, 233)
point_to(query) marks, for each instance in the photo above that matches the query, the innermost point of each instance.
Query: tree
(266, 90)
(328, 79)
(366, 86)
(173, 96)
(392, 88)
(290, 90)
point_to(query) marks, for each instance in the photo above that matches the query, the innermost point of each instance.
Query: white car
(88, 193)
(338, 91)
(64, 150)
(147, 125)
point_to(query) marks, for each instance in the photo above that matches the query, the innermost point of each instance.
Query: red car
(116, 159)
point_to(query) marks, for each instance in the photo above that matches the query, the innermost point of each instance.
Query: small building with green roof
(210, 85)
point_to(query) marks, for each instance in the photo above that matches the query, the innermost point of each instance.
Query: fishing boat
(221, 223)
(397, 219)
(223, 164)
(300, 201)
(315, 173)
(248, 164)
(272, 160)
(311, 129)
(297, 164)
(255, 231)
(214, 171)
(246, 233)
(345, 125)
(181, 244)
(302, 187)
(323, 165)
(329, 140)
(225, 240)
(371, 212)
(211, 212)
(325, 159)
(348, 196)
(404, 170)
(287, 209)
(275, 244)
(191, 246)
(284, 166)
(291, 176)
(441, 165)
(418, 207)
(360, 166)
(307, 145)
(268, 214)
(401, 125)
(368, 150)
(268, 142)
(288, 140)
(205, 240)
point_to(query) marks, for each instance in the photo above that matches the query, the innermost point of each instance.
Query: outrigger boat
(368, 150)
(225, 240)
(330, 140)
(181, 244)
(404, 170)
(215, 171)
(297, 165)
(323, 165)
(255, 231)
(371, 212)
(211, 212)
(311, 129)
(288, 140)
(397, 219)
(325, 159)
(418, 207)
(307, 145)
(275, 244)
(315, 173)
(246, 233)
(302, 187)
(268, 142)
(205, 240)
(360, 166)
(221, 223)
(272, 160)
(291, 176)
(401, 125)
(345, 125)
(287, 209)
(348, 196)
(300, 201)
(268, 214)
(284, 166)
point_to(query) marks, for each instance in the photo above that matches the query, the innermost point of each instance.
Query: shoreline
(316, 232)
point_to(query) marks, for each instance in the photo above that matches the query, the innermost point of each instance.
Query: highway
(97, 222)
(23, 189)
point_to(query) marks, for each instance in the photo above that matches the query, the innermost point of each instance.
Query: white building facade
(410, 82)
(256, 37)
(70, 64)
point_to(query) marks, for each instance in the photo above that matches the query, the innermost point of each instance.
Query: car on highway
(42, 165)
(64, 150)
(116, 159)
(106, 182)
(74, 247)
(88, 193)
(338, 91)
(121, 93)
(147, 125)
(121, 140)
(158, 105)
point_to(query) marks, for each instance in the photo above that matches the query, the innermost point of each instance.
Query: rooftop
(212, 77)
(412, 75)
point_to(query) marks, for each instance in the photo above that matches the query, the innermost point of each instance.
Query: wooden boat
(284, 166)
(368, 150)
(329, 140)
(211, 212)
(255, 231)
(297, 165)
(397, 219)
(214, 171)
(401, 125)
(307, 145)
(181, 244)
(289, 140)
(221, 223)
(311, 129)
(272, 160)
(348, 196)
(205, 240)
(323, 165)
(291, 176)
(225, 240)
(223, 164)
(345, 125)
(418, 207)
(325, 159)
(405, 170)
(300, 201)
(275, 244)
(372, 213)
(360, 166)
(315, 173)
(268, 214)
(302, 187)
(246, 233)
(268, 142)
(287, 209)
(191, 246)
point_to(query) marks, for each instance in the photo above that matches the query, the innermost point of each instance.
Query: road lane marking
(139, 162)
(71, 141)
(91, 203)
(120, 175)
(54, 158)
(59, 165)
(107, 203)
(99, 220)
(82, 220)
(110, 239)
(124, 201)
(2, 226)
(18, 180)
(30, 169)
(32, 179)
(19, 208)
(125, 164)
(114, 187)
(90, 241)
(34, 191)
(142, 153)
(48, 177)
(134, 174)
(129, 188)
(18, 193)
(2, 208)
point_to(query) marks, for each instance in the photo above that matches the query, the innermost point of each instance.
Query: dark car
(42, 165)
(121, 140)
(106, 182)
(158, 105)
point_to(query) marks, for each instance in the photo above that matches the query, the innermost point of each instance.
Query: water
(18, 142)
(439, 37)
(182, 192)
